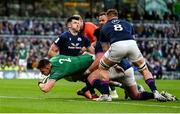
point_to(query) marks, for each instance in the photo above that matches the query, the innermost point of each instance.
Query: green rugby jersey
(22, 53)
(63, 66)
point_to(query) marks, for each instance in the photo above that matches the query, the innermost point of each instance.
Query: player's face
(75, 25)
(102, 20)
(46, 70)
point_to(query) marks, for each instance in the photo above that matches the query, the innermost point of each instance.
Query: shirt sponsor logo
(74, 46)
(115, 21)
(79, 39)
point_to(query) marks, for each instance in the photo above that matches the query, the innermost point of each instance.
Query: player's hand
(39, 82)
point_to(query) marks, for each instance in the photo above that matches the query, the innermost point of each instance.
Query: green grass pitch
(18, 95)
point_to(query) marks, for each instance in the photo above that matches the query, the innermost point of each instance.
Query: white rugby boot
(159, 97)
(113, 94)
(168, 96)
(104, 97)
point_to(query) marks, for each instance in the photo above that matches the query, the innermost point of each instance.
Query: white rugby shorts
(126, 78)
(123, 49)
(23, 62)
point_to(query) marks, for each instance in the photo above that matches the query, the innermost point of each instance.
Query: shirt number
(118, 27)
(63, 60)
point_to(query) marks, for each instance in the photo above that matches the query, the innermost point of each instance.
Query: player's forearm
(52, 53)
(95, 64)
(91, 50)
(105, 46)
(46, 87)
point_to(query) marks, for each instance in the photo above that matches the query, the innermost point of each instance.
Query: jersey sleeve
(98, 48)
(133, 32)
(87, 42)
(97, 33)
(59, 41)
(55, 76)
(103, 37)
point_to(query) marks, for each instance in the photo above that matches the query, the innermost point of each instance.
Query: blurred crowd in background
(157, 28)
(158, 42)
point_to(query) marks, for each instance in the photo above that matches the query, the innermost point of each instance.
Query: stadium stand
(158, 42)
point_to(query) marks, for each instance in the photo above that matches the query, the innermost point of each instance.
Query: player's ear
(68, 25)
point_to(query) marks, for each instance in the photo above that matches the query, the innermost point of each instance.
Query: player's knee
(142, 67)
(93, 76)
(103, 65)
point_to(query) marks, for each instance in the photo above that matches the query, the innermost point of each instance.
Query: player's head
(102, 18)
(44, 66)
(81, 22)
(112, 13)
(73, 23)
(22, 45)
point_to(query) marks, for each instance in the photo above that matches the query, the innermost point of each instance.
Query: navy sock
(105, 86)
(151, 83)
(112, 88)
(101, 86)
(146, 95)
(90, 88)
(84, 89)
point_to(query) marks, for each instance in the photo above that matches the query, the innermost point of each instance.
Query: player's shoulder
(117, 21)
(127, 22)
(64, 34)
(81, 35)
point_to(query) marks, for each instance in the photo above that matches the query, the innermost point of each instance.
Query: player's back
(117, 30)
(88, 31)
(63, 66)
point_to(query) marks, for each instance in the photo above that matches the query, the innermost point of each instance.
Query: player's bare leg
(143, 69)
(103, 81)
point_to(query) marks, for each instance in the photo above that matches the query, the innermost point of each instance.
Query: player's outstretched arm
(53, 50)
(46, 87)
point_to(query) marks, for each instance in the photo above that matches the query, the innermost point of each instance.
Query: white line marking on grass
(135, 104)
(161, 106)
(14, 97)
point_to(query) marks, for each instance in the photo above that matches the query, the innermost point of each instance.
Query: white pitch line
(13, 97)
(135, 104)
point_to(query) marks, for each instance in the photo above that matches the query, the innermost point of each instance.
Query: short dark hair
(77, 15)
(112, 12)
(102, 13)
(42, 63)
(72, 18)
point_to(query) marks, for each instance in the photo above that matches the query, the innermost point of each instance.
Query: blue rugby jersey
(71, 45)
(116, 30)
